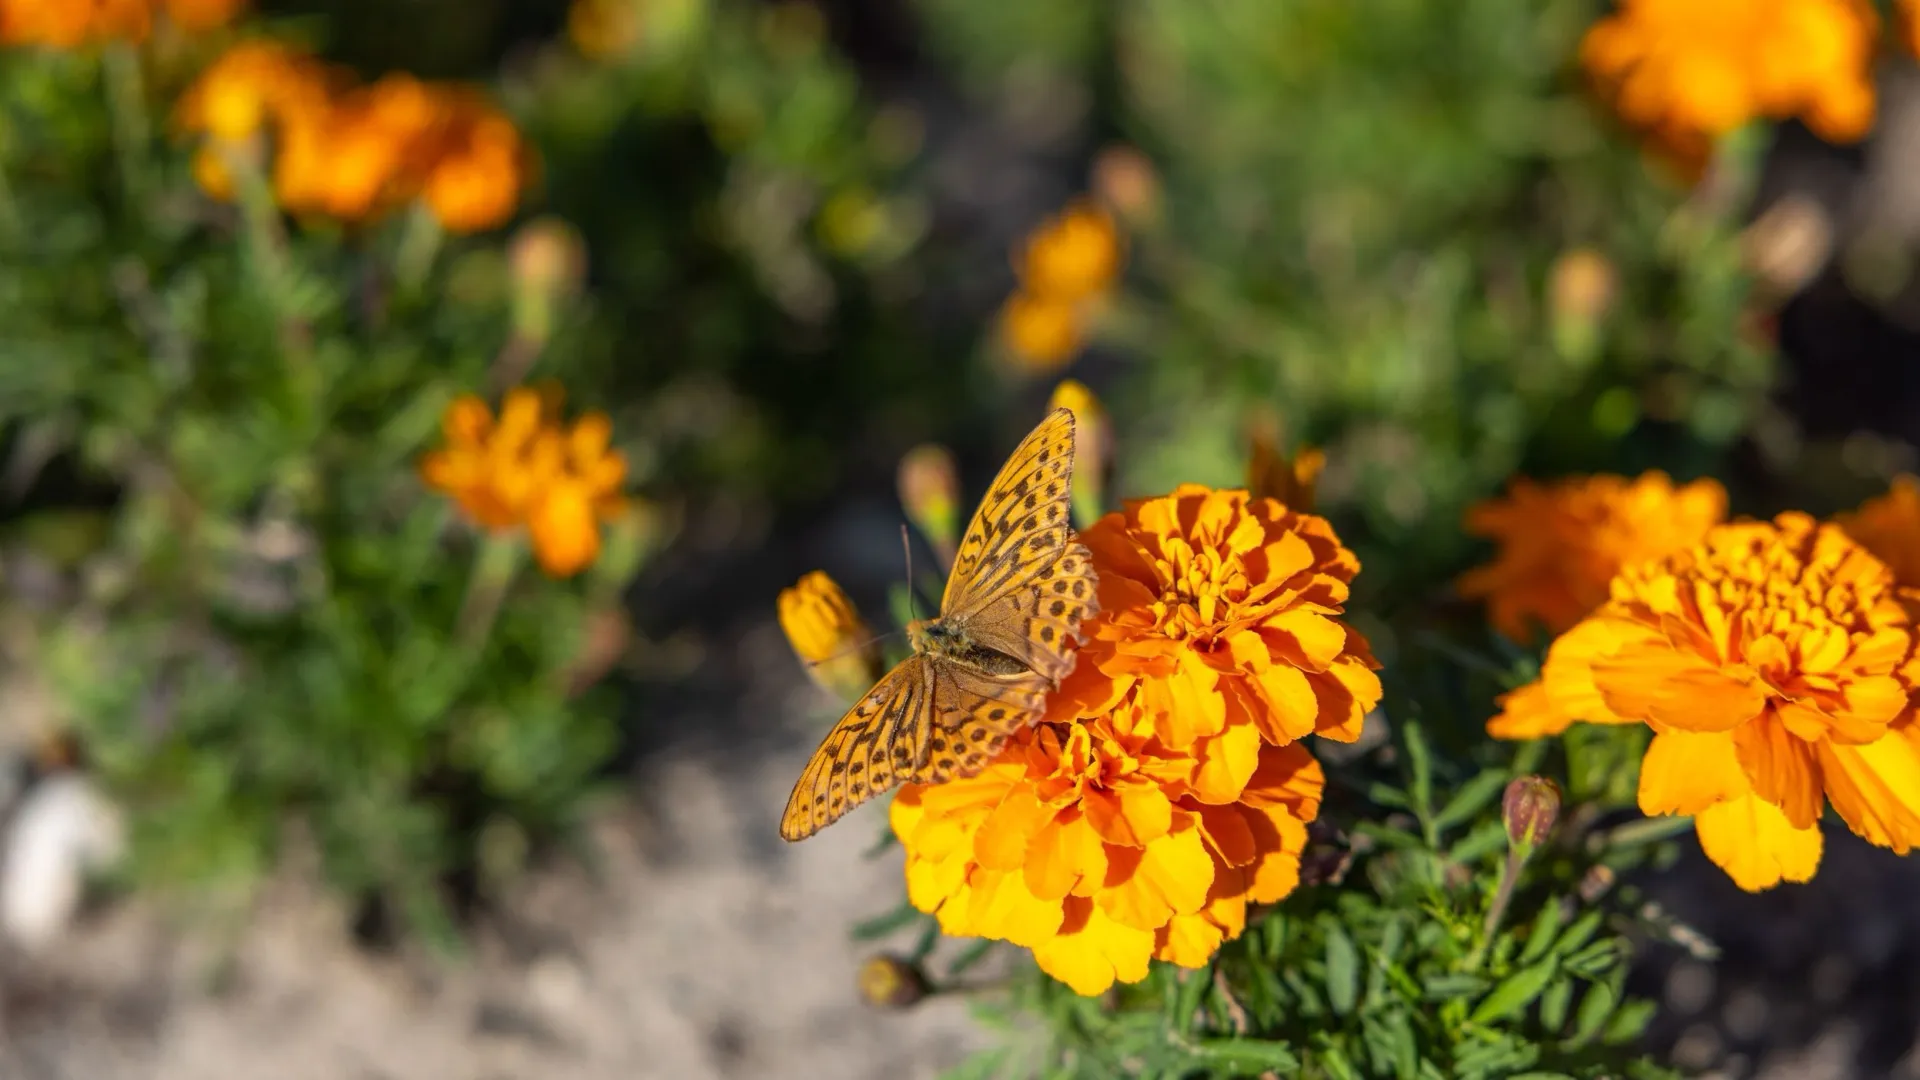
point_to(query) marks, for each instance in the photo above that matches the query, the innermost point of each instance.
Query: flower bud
(1529, 809)
(888, 982)
(930, 491)
(1580, 292)
(828, 636)
(1092, 448)
(549, 261)
(1272, 475)
(1125, 179)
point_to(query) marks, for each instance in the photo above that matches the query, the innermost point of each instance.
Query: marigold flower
(1889, 526)
(1163, 791)
(475, 181)
(1687, 69)
(1774, 662)
(1072, 257)
(196, 16)
(1041, 334)
(1561, 543)
(527, 469)
(252, 84)
(829, 637)
(70, 24)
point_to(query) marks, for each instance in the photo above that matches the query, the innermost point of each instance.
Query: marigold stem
(494, 568)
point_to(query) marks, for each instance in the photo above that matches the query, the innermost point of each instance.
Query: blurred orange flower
(69, 24)
(1561, 543)
(355, 152)
(1163, 791)
(1688, 71)
(1889, 526)
(1775, 663)
(527, 469)
(1065, 269)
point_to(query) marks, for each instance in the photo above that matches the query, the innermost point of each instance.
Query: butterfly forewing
(873, 747)
(1022, 525)
(974, 713)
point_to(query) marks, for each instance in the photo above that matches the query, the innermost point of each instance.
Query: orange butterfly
(1020, 586)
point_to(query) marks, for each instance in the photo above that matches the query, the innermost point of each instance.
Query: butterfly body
(1009, 621)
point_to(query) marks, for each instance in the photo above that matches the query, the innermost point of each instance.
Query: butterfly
(1020, 587)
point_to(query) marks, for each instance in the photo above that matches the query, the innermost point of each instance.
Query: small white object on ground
(65, 829)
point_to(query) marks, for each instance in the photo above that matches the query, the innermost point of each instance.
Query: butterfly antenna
(851, 649)
(906, 547)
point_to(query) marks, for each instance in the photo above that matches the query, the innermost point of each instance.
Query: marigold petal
(1317, 640)
(1288, 777)
(1091, 950)
(1226, 831)
(1189, 940)
(1002, 907)
(1062, 853)
(1568, 671)
(1876, 787)
(1527, 713)
(1782, 768)
(1346, 693)
(1754, 843)
(1148, 811)
(1685, 772)
(1002, 841)
(1225, 762)
(1146, 886)
(1292, 708)
(1675, 690)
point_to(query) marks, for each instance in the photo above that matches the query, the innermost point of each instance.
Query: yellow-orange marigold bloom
(1073, 256)
(1561, 543)
(828, 636)
(476, 177)
(1041, 334)
(1701, 68)
(1164, 790)
(1889, 526)
(528, 469)
(252, 84)
(1774, 662)
(70, 24)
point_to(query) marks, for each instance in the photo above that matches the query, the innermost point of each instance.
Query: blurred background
(369, 784)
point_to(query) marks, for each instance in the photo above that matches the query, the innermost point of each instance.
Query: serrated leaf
(1472, 797)
(1343, 970)
(1514, 993)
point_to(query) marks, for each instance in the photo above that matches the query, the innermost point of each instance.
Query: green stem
(494, 569)
(1497, 911)
(420, 243)
(132, 128)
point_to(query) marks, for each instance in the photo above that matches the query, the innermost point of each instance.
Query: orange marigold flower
(527, 469)
(1774, 662)
(476, 177)
(1679, 69)
(252, 84)
(1164, 790)
(1561, 543)
(1072, 257)
(70, 24)
(1889, 526)
(1041, 334)
(829, 637)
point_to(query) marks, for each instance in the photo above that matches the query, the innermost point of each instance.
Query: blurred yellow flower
(829, 637)
(1561, 543)
(1775, 663)
(1689, 71)
(1164, 791)
(251, 85)
(1889, 526)
(528, 469)
(475, 182)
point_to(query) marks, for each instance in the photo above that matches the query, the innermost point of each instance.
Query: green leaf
(1461, 984)
(1343, 970)
(1514, 993)
(1578, 934)
(1629, 1022)
(903, 915)
(1472, 797)
(1192, 984)
(1247, 1054)
(1486, 840)
(1545, 926)
(1595, 1008)
(969, 956)
(1420, 762)
(1554, 1004)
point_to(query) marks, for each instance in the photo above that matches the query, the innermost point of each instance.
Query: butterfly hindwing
(974, 713)
(1023, 523)
(882, 739)
(1038, 623)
